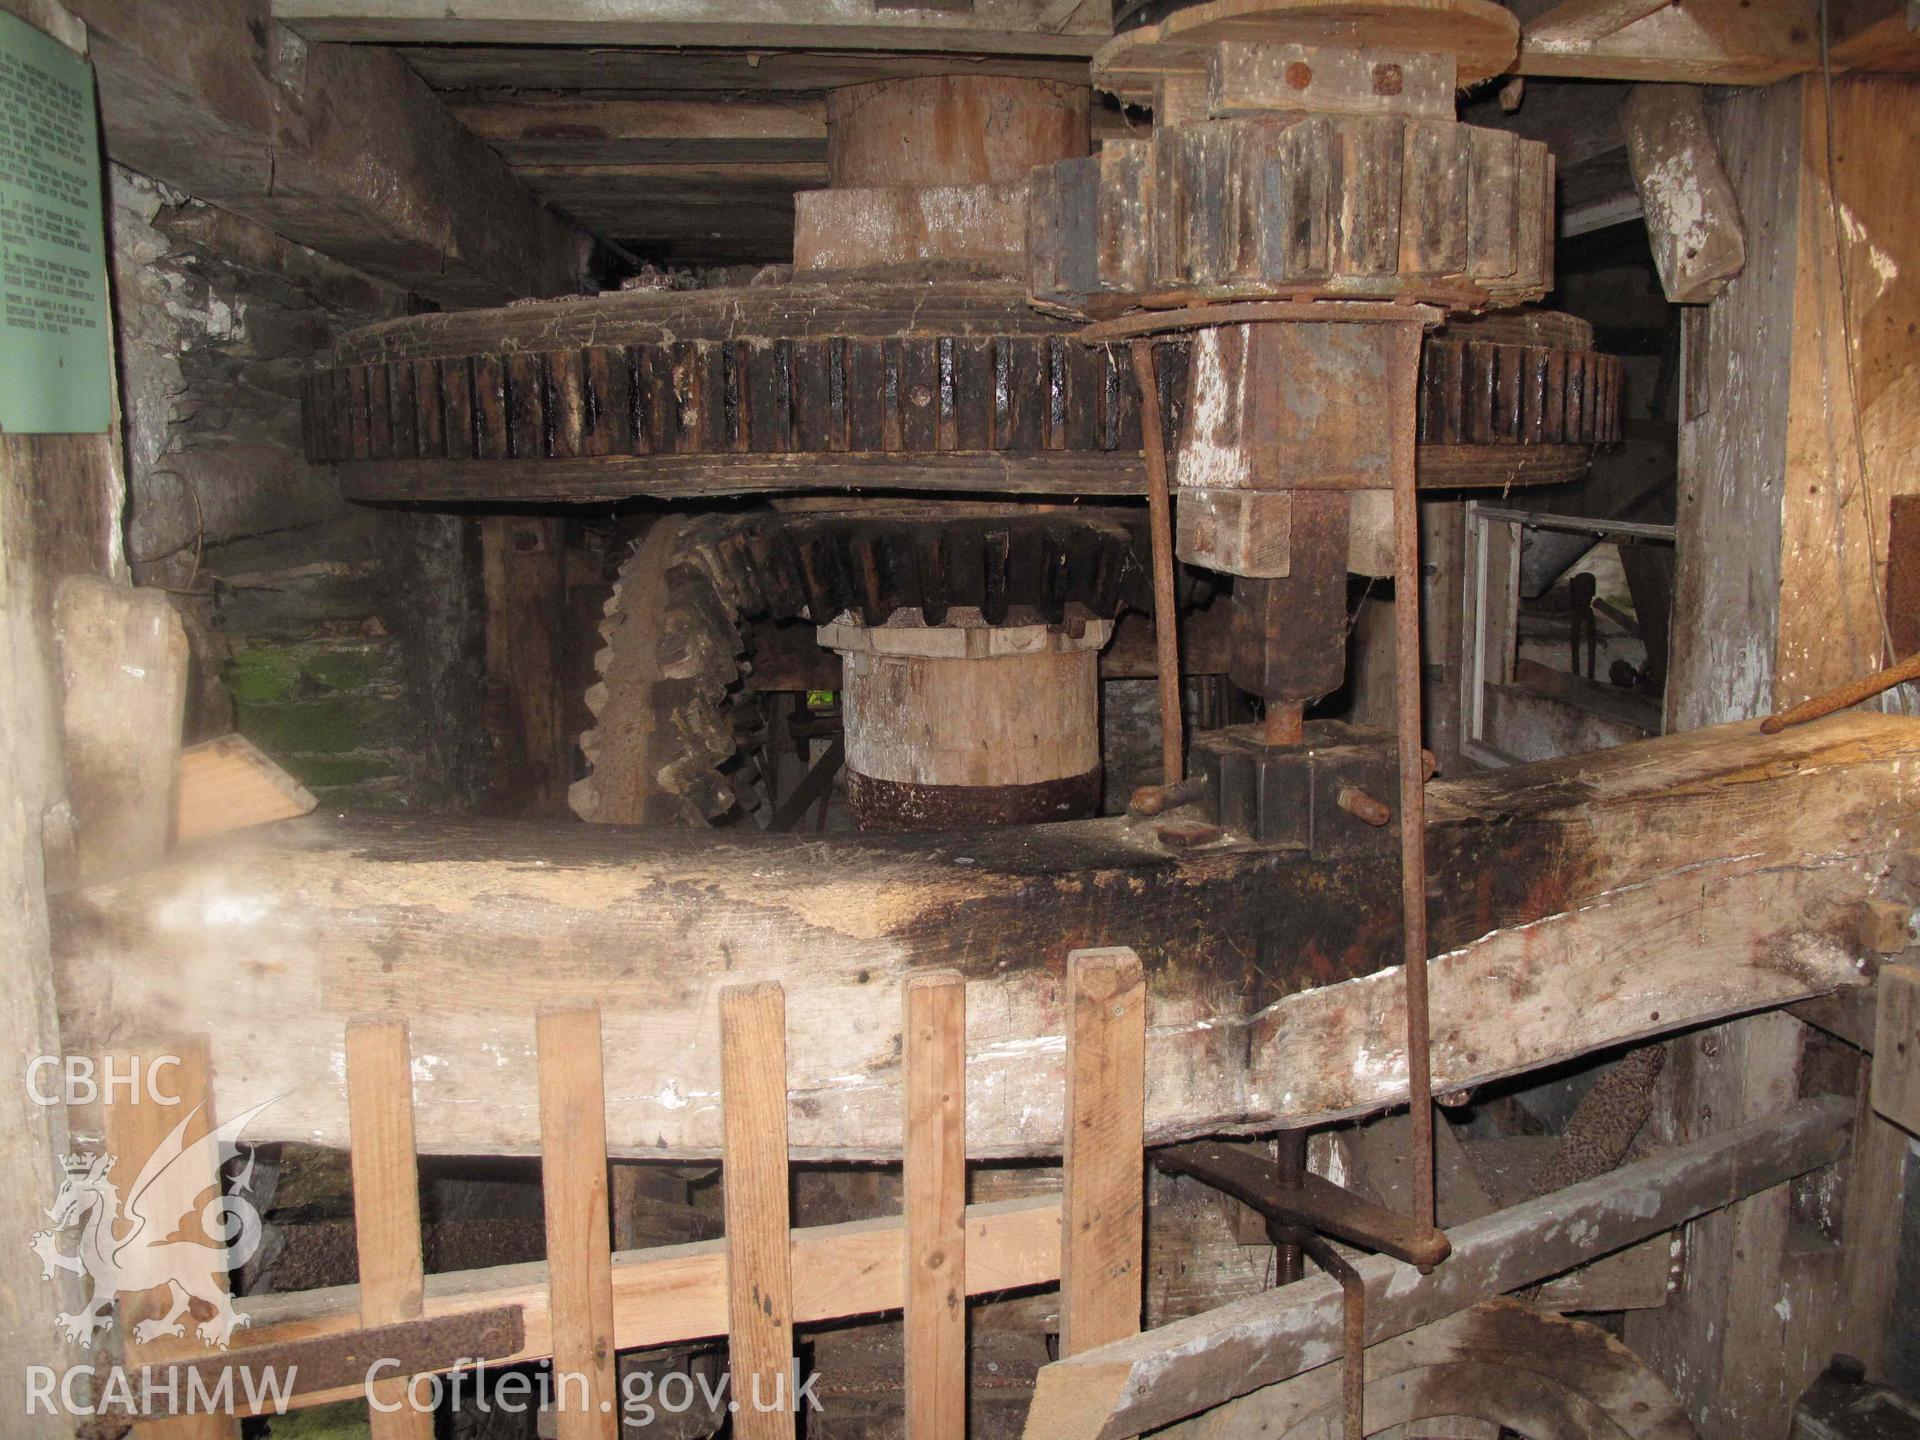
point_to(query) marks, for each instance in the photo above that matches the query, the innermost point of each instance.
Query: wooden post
(753, 1103)
(936, 1206)
(573, 1174)
(1896, 1047)
(386, 1204)
(1693, 219)
(523, 567)
(123, 664)
(136, 1126)
(1101, 1259)
(1780, 540)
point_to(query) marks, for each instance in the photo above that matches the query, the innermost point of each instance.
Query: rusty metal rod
(1403, 372)
(1166, 624)
(1290, 1170)
(1852, 693)
(1353, 1290)
(1285, 723)
(1365, 808)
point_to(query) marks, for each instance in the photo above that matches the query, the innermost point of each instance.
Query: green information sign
(54, 375)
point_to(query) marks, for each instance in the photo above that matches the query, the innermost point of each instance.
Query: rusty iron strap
(1353, 1299)
(1316, 1204)
(325, 1362)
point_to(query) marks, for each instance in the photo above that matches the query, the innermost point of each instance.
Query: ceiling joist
(988, 27)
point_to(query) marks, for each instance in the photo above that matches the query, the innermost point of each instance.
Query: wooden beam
(999, 27)
(1101, 1274)
(1136, 1385)
(753, 1100)
(935, 1187)
(1584, 21)
(1705, 42)
(513, 69)
(573, 1182)
(1896, 1050)
(344, 149)
(1874, 35)
(567, 131)
(386, 1204)
(679, 1292)
(1693, 218)
(1563, 881)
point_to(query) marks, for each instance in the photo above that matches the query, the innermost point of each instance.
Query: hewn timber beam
(562, 130)
(1876, 35)
(1708, 42)
(1138, 1384)
(1002, 27)
(672, 1293)
(1584, 21)
(1576, 904)
(340, 148)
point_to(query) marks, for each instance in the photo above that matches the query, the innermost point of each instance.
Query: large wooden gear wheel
(954, 386)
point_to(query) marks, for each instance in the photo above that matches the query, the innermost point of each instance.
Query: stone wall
(338, 639)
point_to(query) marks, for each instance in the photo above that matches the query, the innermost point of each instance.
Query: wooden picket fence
(762, 1277)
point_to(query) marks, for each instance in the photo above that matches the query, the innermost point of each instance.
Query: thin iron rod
(1353, 1290)
(1403, 385)
(1166, 624)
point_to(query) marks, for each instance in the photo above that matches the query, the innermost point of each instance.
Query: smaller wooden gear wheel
(1301, 152)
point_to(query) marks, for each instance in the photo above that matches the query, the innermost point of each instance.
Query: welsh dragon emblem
(126, 1248)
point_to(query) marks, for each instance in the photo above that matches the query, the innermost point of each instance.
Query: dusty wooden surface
(1135, 1385)
(1575, 905)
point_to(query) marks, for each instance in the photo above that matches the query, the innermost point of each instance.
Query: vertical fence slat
(573, 1176)
(753, 1104)
(1101, 1251)
(935, 1025)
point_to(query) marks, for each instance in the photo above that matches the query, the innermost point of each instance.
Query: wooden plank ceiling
(680, 130)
